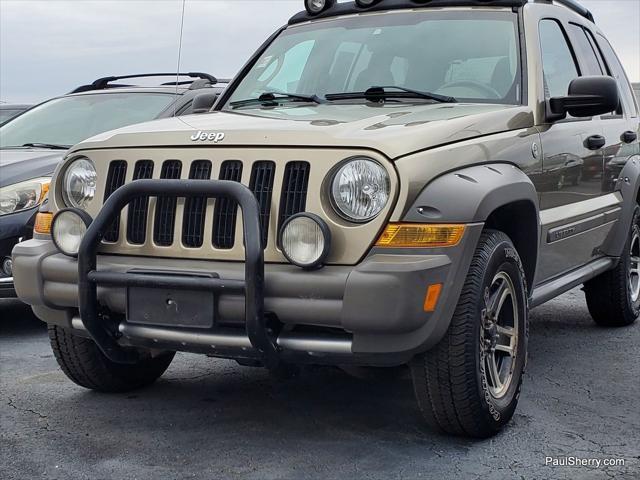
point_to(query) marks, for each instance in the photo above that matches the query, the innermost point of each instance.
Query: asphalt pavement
(213, 419)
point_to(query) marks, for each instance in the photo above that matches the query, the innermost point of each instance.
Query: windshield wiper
(273, 98)
(51, 146)
(376, 94)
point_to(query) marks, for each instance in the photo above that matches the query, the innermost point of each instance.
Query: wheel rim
(499, 335)
(634, 267)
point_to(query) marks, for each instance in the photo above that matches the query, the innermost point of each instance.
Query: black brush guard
(253, 285)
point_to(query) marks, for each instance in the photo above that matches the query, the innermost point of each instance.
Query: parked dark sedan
(33, 143)
(10, 110)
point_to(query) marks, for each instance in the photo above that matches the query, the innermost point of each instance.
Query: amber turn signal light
(432, 296)
(43, 223)
(45, 191)
(418, 235)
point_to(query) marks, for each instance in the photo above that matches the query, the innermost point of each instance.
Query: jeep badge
(201, 136)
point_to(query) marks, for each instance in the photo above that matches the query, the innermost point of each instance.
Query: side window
(558, 65)
(594, 45)
(616, 70)
(585, 53)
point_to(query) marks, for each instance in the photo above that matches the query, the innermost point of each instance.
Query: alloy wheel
(634, 266)
(499, 335)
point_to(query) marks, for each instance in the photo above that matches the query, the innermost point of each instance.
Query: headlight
(360, 189)
(68, 229)
(305, 240)
(79, 183)
(23, 195)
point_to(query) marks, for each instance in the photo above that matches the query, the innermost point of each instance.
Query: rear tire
(613, 297)
(469, 384)
(82, 361)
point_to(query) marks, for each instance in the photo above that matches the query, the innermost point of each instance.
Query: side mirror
(588, 97)
(203, 102)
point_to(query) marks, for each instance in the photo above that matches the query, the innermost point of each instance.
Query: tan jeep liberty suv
(384, 183)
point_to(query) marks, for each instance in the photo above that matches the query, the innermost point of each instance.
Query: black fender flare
(628, 186)
(471, 194)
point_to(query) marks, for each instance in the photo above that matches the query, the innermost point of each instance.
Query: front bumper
(369, 314)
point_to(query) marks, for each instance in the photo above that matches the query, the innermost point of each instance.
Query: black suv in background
(34, 142)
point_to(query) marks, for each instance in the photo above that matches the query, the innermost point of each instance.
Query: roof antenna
(175, 103)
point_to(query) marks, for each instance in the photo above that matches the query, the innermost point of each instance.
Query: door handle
(595, 142)
(629, 136)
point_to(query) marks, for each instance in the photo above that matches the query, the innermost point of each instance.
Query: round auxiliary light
(366, 3)
(79, 183)
(68, 229)
(360, 189)
(305, 240)
(315, 7)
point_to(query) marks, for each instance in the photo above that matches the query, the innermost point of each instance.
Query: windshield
(69, 120)
(472, 56)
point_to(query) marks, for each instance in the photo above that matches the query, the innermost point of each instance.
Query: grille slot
(294, 190)
(164, 224)
(261, 185)
(139, 208)
(226, 211)
(195, 208)
(115, 179)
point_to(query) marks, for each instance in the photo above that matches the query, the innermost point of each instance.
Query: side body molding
(629, 188)
(471, 194)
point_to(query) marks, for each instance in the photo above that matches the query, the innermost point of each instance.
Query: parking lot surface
(209, 418)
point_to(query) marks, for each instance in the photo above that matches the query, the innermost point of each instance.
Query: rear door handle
(595, 142)
(629, 136)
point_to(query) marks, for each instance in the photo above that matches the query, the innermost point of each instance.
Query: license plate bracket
(171, 307)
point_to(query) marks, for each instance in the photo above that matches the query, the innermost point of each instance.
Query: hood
(17, 165)
(394, 129)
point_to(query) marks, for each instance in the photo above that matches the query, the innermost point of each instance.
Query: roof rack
(352, 8)
(105, 83)
(576, 7)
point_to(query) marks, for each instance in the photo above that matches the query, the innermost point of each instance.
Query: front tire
(469, 383)
(613, 297)
(82, 361)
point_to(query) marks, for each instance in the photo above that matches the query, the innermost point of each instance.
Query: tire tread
(83, 363)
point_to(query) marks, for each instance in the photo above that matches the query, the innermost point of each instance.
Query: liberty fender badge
(201, 136)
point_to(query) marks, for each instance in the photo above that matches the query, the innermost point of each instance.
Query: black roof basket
(107, 82)
(350, 8)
